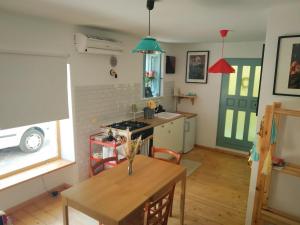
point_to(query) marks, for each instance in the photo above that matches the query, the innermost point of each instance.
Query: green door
(238, 105)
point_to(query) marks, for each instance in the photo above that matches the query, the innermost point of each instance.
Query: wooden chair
(100, 165)
(158, 211)
(154, 212)
(175, 156)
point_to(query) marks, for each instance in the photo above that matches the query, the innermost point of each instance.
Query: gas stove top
(130, 124)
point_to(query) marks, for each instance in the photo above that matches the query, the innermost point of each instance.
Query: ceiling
(171, 20)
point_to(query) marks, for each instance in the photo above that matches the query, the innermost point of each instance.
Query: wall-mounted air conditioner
(96, 45)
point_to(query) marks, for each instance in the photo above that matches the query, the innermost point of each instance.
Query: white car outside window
(27, 138)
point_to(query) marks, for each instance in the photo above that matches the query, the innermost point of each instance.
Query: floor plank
(216, 194)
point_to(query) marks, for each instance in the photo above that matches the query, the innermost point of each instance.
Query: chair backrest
(173, 154)
(157, 211)
(100, 166)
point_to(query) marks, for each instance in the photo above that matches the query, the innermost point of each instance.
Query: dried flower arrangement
(131, 149)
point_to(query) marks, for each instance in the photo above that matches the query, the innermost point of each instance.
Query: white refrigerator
(189, 134)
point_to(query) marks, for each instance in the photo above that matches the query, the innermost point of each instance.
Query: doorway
(238, 105)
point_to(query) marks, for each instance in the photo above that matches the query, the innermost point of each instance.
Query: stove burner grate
(130, 124)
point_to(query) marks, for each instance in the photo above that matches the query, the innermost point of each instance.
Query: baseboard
(225, 151)
(59, 189)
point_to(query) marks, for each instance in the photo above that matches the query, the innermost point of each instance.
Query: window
(152, 76)
(27, 146)
(36, 89)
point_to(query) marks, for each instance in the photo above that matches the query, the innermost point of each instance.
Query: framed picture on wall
(196, 66)
(287, 70)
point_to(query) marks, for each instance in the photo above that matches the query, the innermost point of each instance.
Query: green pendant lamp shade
(148, 45)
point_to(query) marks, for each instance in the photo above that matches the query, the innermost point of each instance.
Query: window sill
(33, 173)
(152, 98)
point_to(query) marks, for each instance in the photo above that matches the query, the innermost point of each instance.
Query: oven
(138, 129)
(147, 140)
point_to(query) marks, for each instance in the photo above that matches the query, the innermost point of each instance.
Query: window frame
(34, 165)
(161, 78)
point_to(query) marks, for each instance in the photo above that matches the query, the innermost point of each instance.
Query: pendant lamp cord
(149, 24)
(222, 47)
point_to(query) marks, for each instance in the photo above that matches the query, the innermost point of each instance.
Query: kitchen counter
(154, 122)
(159, 121)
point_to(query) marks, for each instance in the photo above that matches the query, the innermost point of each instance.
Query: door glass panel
(232, 81)
(240, 125)
(252, 127)
(228, 123)
(256, 81)
(245, 80)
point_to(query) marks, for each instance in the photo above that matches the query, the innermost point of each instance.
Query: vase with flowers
(131, 149)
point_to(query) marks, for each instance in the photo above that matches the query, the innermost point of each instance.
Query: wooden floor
(216, 194)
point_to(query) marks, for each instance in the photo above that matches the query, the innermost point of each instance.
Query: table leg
(182, 199)
(65, 212)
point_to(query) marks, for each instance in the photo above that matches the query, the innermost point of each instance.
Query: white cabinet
(169, 135)
(189, 134)
(161, 136)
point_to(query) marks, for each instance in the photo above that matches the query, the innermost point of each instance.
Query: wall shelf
(290, 169)
(191, 97)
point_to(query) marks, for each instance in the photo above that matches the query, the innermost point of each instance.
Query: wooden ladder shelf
(261, 212)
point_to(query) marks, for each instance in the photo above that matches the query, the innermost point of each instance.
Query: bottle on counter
(110, 135)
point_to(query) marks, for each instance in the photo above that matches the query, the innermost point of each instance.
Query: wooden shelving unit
(261, 212)
(191, 97)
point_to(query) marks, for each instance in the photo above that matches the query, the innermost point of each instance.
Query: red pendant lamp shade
(222, 66)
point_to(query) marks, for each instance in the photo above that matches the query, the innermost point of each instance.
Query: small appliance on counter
(159, 109)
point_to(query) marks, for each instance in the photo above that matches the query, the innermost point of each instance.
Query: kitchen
(94, 90)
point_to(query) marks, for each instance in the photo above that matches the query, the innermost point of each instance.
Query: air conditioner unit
(96, 45)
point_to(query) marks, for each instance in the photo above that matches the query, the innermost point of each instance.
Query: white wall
(282, 20)
(34, 34)
(25, 33)
(207, 102)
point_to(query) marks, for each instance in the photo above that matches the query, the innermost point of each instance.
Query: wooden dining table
(112, 195)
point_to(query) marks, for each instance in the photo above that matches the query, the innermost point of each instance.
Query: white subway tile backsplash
(104, 104)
